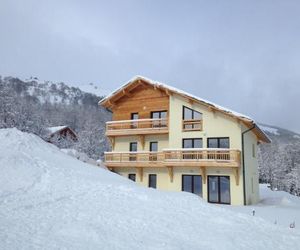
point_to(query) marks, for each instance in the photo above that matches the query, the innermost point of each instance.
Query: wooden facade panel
(143, 100)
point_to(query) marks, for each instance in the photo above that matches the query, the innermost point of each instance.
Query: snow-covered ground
(278, 207)
(49, 200)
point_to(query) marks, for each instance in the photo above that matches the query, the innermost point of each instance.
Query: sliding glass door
(192, 184)
(219, 189)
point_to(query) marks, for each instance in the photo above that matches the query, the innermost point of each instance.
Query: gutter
(243, 163)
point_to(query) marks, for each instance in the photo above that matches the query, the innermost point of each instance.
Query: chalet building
(168, 139)
(61, 135)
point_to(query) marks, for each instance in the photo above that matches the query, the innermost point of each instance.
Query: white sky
(244, 55)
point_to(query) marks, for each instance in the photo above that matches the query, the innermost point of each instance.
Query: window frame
(193, 143)
(218, 138)
(129, 177)
(159, 111)
(149, 177)
(219, 190)
(192, 184)
(193, 111)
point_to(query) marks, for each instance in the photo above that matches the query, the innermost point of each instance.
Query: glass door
(219, 189)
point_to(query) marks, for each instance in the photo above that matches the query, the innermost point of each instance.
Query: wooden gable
(142, 99)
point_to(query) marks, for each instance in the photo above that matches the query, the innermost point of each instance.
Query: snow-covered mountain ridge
(49, 200)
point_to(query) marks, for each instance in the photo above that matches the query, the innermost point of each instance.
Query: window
(192, 184)
(192, 119)
(159, 115)
(153, 148)
(218, 142)
(131, 177)
(192, 143)
(219, 189)
(152, 180)
(134, 116)
(132, 148)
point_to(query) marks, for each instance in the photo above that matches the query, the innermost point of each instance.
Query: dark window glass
(131, 177)
(134, 116)
(197, 185)
(197, 143)
(224, 143)
(154, 146)
(187, 113)
(218, 143)
(192, 143)
(225, 189)
(158, 114)
(213, 187)
(212, 143)
(219, 189)
(187, 183)
(152, 180)
(133, 147)
(190, 114)
(192, 184)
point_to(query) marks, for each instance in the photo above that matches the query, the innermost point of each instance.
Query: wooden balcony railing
(175, 157)
(192, 125)
(139, 126)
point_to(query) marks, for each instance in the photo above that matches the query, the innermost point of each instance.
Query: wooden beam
(171, 173)
(140, 173)
(142, 140)
(236, 175)
(126, 93)
(203, 173)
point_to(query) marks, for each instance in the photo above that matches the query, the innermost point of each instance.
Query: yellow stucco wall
(215, 124)
(251, 168)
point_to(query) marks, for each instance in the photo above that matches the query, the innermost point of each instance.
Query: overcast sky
(244, 55)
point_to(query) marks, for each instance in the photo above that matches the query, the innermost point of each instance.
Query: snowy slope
(49, 200)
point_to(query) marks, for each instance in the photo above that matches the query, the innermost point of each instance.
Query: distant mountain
(32, 105)
(278, 133)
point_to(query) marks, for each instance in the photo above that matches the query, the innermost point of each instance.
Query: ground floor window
(131, 177)
(192, 184)
(219, 189)
(152, 180)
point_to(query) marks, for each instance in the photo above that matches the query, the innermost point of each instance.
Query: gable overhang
(125, 90)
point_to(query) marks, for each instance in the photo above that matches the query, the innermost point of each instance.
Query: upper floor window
(134, 116)
(192, 143)
(218, 142)
(158, 114)
(162, 115)
(192, 119)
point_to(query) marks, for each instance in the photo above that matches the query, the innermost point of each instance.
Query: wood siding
(144, 99)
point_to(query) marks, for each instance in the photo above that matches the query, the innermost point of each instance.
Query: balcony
(175, 157)
(191, 125)
(170, 158)
(137, 127)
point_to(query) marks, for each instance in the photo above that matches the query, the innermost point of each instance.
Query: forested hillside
(32, 106)
(280, 161)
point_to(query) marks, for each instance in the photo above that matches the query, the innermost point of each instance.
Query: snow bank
(49, 200)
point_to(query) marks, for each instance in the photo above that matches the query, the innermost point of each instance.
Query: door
(219, 189)
(152, 180)
(132, 148)
(153, 148)
(192, 184)
(134, 116)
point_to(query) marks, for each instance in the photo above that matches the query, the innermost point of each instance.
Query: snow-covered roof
(53, 130)
(106, 101)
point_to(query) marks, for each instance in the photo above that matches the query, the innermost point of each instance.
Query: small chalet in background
(61, 135)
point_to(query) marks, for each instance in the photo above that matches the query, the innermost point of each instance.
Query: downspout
(243, 159)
